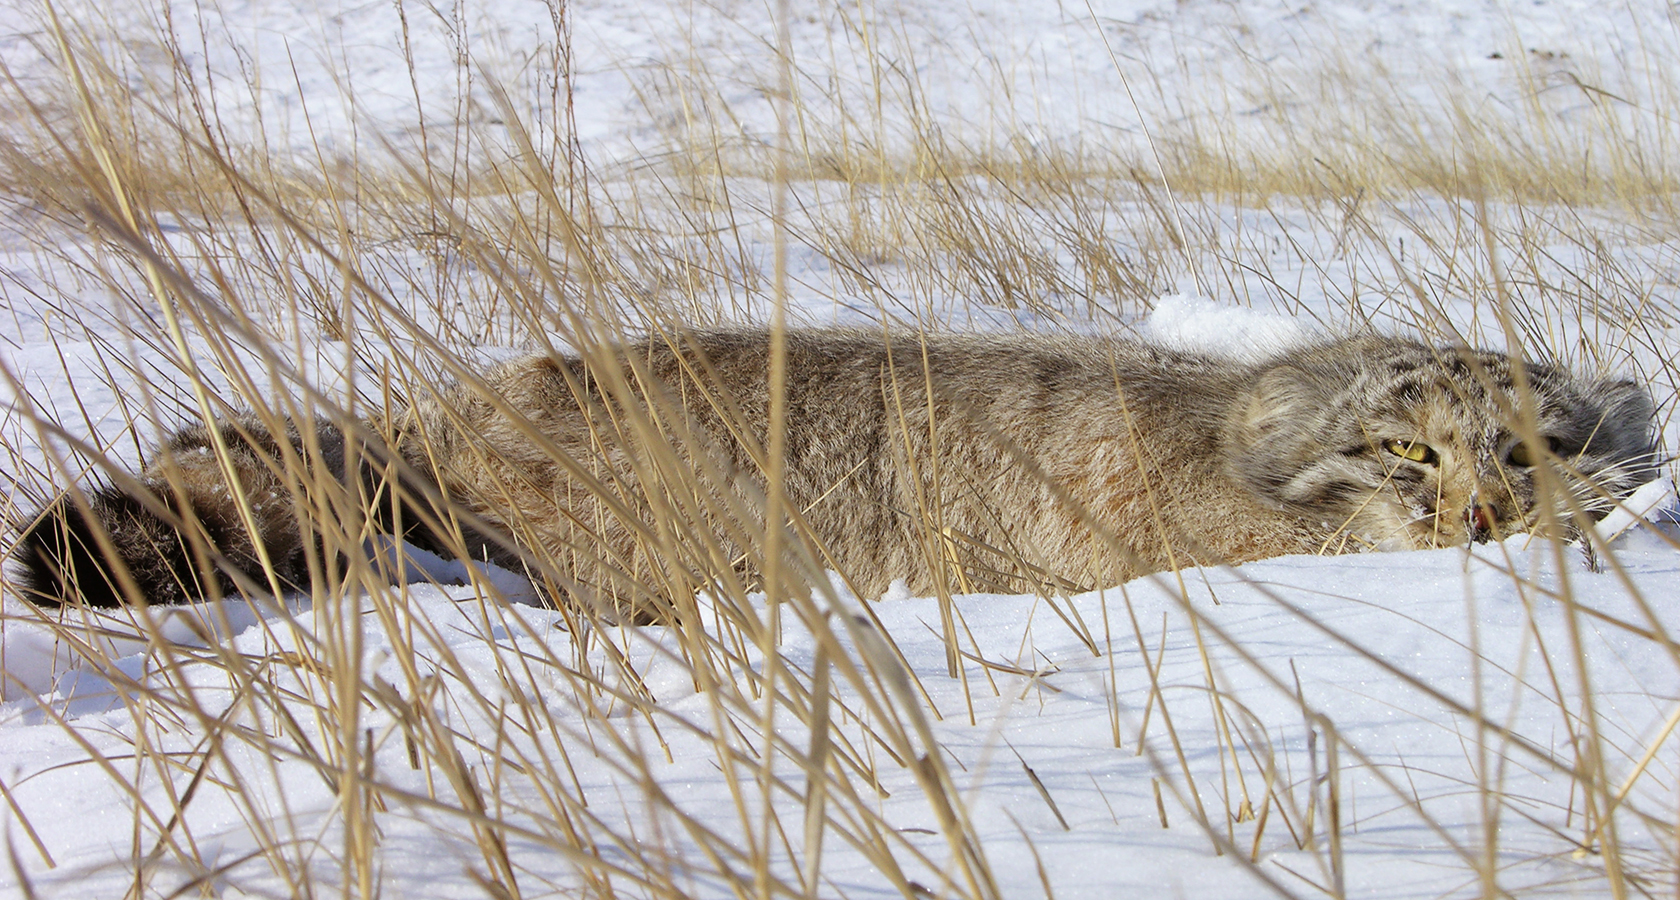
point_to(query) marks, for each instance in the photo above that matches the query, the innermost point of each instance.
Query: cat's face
(1398, 445)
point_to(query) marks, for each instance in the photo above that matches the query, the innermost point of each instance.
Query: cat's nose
(1478, 520)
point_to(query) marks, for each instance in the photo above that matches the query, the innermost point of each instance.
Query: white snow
(1438, 711)
(1188, 322)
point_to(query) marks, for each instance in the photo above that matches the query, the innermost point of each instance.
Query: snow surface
(1188, 322)
(1381, 646)
(1399, 655)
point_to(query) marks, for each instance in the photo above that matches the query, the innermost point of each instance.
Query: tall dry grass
(238, 277)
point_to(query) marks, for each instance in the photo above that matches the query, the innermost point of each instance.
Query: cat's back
(1047, 393)
(979, 370)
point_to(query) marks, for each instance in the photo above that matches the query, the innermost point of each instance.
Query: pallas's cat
(954, 462)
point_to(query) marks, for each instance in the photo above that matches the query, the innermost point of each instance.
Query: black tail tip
(64, 557)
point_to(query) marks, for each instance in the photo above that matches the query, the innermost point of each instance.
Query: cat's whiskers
(1342, 533)
(1596, 491)
(1419, 516)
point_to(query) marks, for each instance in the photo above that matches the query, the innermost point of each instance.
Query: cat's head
(1402, 445)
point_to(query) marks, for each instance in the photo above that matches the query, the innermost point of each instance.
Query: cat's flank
(957, 462)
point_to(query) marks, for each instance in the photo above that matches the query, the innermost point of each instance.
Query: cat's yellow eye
(1416, 451)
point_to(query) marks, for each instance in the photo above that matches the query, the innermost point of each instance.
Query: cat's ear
(1270, 433)
(1626, 427)
(1267, 420)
